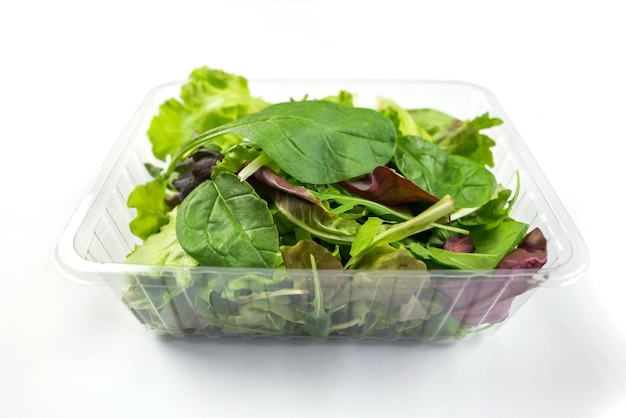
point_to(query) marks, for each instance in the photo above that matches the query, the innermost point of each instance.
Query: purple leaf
(531, 253)
(271, 178)
(459, 244)
(487, 300)
(385, 186)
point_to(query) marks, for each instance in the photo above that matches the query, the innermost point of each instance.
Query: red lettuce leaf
(385, 186)
(269, 177)
(488, 300)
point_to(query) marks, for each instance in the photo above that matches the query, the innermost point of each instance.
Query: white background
(71, 75)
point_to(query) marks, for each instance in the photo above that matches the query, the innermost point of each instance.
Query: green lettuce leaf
(211, 98)
(149, 200)
(441, 173)
(402, 119)
(162, 248)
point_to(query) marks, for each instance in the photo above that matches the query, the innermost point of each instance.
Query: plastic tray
(392, 305)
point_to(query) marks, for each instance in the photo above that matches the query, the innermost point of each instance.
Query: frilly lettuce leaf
(211, 98)
(149, 200)
(162, 248)
(401, 118)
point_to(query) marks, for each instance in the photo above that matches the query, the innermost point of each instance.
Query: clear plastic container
(437, 305)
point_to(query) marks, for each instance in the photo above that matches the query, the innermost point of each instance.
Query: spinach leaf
(223, 222)
(316, 142)
(439, 173)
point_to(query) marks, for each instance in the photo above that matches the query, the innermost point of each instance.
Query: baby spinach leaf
(316, 142)
(439, 173)
(223, 222)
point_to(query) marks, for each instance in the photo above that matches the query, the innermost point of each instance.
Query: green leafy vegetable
(350, 141)
(491, 245)
(440, 173)
(162, 248)
(459, 137)
(384, 185)
(319, 222)
(299, 256)
(223, 222)
(320, 218)
(149, 200)
(210, 99)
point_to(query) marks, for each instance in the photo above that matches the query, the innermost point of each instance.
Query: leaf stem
(416, 224)
(260, 161)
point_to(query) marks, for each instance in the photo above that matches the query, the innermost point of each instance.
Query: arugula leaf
(439, 173)
(223, 222)
(350, 141)
(492, 213)
(459, 137)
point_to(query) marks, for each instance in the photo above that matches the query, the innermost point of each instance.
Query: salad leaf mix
(308, 202)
